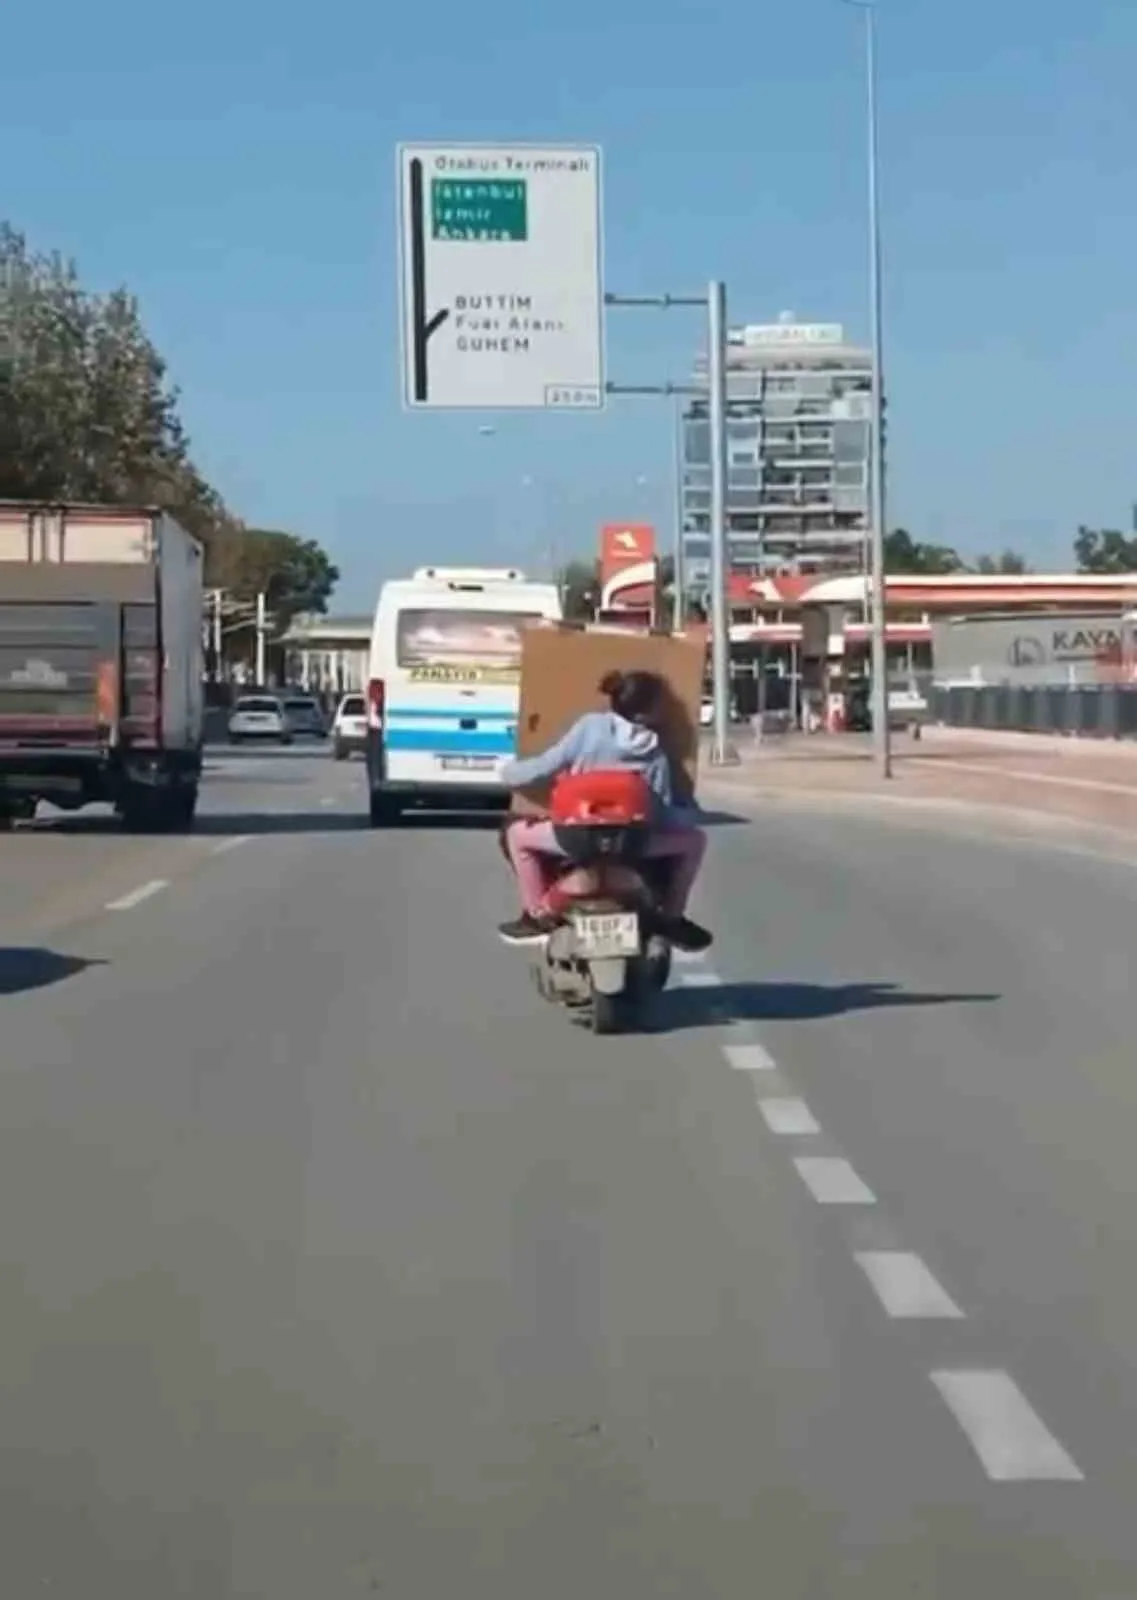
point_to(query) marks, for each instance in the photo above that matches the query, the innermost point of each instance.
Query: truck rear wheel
(159, 811)
(179, 809)
(139, 809)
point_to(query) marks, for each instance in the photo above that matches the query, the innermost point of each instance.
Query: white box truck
(101, 663)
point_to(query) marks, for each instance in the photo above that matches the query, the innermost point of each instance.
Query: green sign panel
(479, 209)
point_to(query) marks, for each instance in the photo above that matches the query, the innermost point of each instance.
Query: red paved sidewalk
(1098, 786)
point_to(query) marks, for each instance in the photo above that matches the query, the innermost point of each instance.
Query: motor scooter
(605, 958)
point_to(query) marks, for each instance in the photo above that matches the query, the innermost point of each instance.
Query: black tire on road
(608, 1012)
(339, 753)
(179, 810)
(138, 813)
(384, 811)
(161, 811)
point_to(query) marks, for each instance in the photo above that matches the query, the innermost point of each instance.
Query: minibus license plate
(467, 763)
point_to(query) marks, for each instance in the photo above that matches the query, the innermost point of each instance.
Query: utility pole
(721, 752)
(678, 572)
(882, 733)
(262, 629)
(218, 673)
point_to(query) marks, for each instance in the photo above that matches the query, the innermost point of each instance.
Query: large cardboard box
(561, 669)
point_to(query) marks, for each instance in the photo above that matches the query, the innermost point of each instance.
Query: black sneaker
(685, 934)
(525, 930)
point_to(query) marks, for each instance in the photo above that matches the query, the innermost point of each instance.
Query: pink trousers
(532, 848)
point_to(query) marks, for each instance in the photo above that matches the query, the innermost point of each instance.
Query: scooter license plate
(600, 934)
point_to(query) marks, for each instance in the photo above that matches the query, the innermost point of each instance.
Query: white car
(349, 727)
(258, 716)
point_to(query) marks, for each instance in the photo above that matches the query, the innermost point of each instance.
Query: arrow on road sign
(423, 325)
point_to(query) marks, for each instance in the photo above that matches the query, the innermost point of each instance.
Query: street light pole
(678, 558)
(882, 735)
(722, 753)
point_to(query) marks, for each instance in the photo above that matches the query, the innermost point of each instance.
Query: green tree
(903, 554)
(580, 589)
(86, 411)
(294, 574)
(1009, 563)
(1105, 550)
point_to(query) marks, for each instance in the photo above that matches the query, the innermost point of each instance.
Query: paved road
(336, 1265)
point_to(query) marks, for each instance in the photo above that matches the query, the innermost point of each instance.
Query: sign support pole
(723, 754)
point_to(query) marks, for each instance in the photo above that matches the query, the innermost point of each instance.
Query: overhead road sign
(501, 291)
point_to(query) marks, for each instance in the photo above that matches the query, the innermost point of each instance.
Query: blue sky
(234, 164)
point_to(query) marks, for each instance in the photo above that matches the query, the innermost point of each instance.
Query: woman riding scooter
(622, 737)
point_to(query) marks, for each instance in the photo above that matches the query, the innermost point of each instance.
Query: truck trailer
(101, 663)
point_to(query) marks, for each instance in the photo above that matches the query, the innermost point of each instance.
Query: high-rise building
(799, 408)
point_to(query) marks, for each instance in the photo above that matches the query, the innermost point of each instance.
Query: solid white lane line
(905, 1286)
(329, 800)
(790, 1117)
(749, 1058)
(127, 902)
(832, 1182)
(224, 845)
(699, 978)
(1006, 1433)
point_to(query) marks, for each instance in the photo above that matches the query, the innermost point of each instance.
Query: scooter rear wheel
(608, 1012)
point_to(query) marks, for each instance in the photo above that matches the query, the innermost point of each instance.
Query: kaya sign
(501, 299)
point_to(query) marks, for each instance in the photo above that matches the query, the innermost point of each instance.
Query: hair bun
(611, 683)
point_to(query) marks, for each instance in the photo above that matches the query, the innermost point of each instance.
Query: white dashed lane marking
(790, 1117)
(1009, 1438)
(904, 1285)
(699, 978)
(224, 845)
(832, 1181)
(127, 902)
(749, 1058)
(1006, 1433)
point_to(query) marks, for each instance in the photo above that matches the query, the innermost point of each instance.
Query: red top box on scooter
(601, 813)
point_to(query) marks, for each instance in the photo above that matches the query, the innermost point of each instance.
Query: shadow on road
(792, 1002)
(331, 821)
(214, 824)
(32, 968)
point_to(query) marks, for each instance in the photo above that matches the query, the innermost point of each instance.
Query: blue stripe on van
(451, 741)
(437, 713)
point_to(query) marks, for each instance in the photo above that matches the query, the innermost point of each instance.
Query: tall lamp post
(882, 736)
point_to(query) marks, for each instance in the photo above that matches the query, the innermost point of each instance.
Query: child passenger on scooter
(623, 736)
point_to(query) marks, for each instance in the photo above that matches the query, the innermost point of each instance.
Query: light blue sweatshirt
(602, 739)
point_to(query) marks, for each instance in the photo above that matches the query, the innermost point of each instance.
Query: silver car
(304, 716)
(258, 716)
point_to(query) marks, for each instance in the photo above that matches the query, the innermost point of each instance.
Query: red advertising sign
(627, 567)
